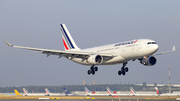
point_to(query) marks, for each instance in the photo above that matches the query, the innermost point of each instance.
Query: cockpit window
(151, 43)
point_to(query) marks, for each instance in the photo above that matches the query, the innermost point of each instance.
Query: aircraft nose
(155, 47)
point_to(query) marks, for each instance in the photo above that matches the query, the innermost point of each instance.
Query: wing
(173, 50)
(71, 54)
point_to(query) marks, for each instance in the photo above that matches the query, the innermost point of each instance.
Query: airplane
(33, 94)
(143, 50)
(48, 93)
(17, 93)
(109, 91)
(89, 93)
(132, 91)
(69, 94)
(135, 94)
(66, 92)
(165, 94)
(157, 91)
(114, 94)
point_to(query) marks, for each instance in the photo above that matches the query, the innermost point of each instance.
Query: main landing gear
(123, 70)
(92, 70)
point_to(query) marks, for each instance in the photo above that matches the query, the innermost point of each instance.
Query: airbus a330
(143, 50)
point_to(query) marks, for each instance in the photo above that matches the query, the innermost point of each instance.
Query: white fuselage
(169, 94)
(35, 94)
(125, 51)
(55, 94)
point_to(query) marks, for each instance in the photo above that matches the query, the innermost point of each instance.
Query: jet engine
(149, 61)
(95, 59)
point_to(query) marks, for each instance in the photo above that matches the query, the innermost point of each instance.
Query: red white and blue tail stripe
(109, 90)
(132, 91)
(157, 91)
(68, 41)
(47, 91)
(87, 90)
(25, 91)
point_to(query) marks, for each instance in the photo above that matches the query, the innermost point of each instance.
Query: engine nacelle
(150, 61)
(95, 59)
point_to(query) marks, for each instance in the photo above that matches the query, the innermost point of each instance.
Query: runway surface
(89, 100)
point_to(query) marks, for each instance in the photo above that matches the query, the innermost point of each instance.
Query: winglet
(174, 48)
(8, 44)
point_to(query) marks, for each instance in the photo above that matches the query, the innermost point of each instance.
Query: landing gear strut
(92, 70)
(123, 70)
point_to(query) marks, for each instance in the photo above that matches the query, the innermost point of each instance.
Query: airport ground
(87, 98)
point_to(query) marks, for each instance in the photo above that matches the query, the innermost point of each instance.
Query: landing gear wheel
(123, 70)
(119, 72)
(126, 69)
(93, 72)
(89, 72)
(95, 69)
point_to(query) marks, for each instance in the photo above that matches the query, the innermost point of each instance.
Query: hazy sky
(35, 23)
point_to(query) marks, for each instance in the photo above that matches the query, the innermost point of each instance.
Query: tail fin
(17, 93)
(87, 90)
(65, 91)
(109, 90)
(47, 91)
(157, 91)
(132, 91)
(68, 41)
(25, 91)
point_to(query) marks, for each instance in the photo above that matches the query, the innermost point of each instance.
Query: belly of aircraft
(106, 61)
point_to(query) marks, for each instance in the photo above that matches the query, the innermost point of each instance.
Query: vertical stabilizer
(157, 91)
(109, 90)
(47, 92)
(65, 91)
(17, 93)
(68, 41)
(87, 91)
(25, 91)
